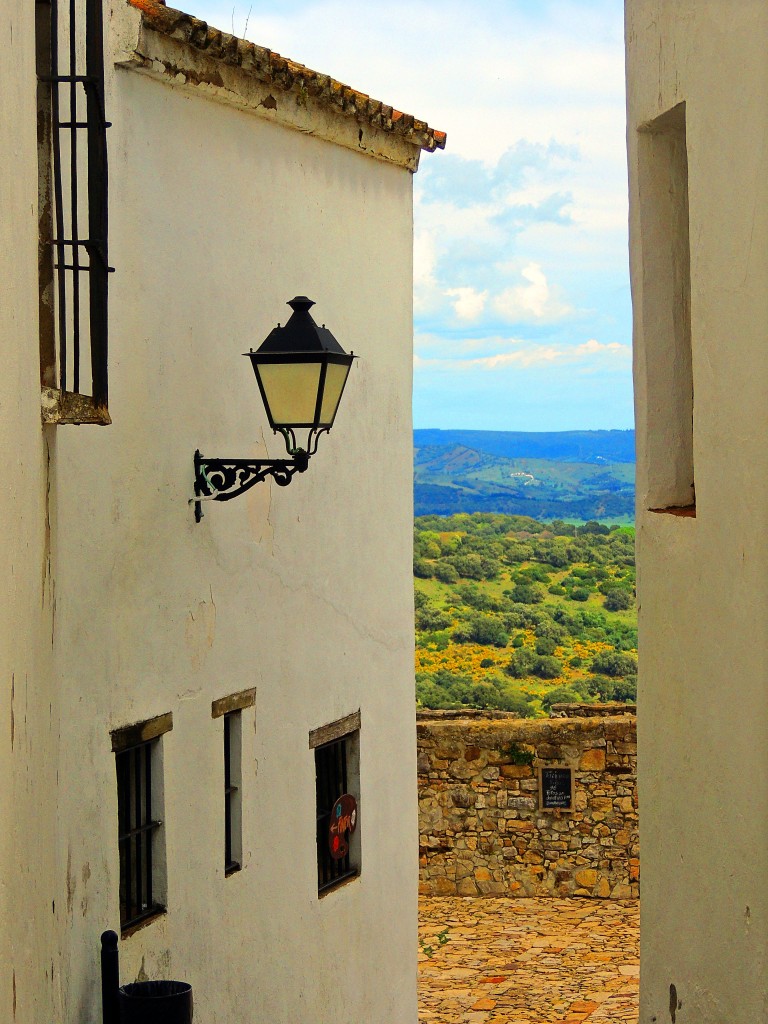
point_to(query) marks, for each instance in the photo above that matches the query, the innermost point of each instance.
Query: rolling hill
(566, 475)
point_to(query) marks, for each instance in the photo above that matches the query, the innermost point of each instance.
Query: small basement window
(140, 833)
(337, 786)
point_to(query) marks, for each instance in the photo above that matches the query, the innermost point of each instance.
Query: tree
(559, 695)
(546, 667)
(472, 595)
(527, 593)
(592, 526)
(475, 567)
(614, 664)
(617, 600)
(445, 572)
(430, 618)
(482, 629)
(422, 569)
(519, 665)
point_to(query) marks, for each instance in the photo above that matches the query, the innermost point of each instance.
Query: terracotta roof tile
(270, 67)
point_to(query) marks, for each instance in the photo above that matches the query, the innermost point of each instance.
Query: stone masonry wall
(482, 829)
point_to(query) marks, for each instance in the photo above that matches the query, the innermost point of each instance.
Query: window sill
(684, 511)
(68, 407)
(149, 917)
(335, 886)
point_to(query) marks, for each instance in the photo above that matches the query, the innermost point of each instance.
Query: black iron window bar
(230, 791)
(331, 783)
(136, 828)
(75, 255)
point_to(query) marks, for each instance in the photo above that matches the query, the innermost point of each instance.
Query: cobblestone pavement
(528, 961)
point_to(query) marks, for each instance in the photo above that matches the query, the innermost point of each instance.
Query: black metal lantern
(301, 370)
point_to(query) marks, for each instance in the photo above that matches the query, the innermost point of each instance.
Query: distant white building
(698, 163)
(148, 663)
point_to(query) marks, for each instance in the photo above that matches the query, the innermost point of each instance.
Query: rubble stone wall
(483, 831)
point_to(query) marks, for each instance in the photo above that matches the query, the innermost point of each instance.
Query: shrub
(546, 667)
(422, 568)
(430, 618)
(579, 594)
(613, 664)
(559, 695)
(482, 629)
(517, 702)
(515, 754)
(445, 572)
(472, 595)
(545, 646)
(475, 567)
(519, 665)
(617, 600)
(626, 689)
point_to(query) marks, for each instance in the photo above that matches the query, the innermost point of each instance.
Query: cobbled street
(528, 961)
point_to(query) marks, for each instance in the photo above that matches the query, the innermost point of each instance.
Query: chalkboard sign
(556, 787)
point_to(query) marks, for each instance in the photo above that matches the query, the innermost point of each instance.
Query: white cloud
(587, 353)
(469, 302)
(534, 300)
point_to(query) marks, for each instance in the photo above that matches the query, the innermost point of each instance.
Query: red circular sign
(343, 823)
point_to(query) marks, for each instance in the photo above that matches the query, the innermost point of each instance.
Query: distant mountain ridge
(562, 446)
(564, 475)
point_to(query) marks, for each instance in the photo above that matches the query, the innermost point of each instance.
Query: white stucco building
(698, 162)
(132, 636)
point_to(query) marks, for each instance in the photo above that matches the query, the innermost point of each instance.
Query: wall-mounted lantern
(301, 371)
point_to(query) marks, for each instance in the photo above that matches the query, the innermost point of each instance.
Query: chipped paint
(200, 630)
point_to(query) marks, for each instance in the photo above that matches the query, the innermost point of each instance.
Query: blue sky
(522, 316)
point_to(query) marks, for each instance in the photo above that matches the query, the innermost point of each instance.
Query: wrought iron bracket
(224, 479)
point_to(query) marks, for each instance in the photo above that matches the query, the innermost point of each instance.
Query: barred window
(231, 708)
(232, 798)
(140, 836)
(72, 171)
(337, 776)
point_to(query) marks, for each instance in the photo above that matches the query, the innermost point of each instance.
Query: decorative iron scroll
(224, 479)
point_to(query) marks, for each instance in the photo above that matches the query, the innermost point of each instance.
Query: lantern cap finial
(301, 304)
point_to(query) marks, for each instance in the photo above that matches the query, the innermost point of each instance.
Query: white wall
(28, 705)
(217, 218)
(703, 595)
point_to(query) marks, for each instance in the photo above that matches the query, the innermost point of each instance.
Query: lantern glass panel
(291, 390)
(335, 378)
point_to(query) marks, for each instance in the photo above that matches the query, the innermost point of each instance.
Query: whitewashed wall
(703, 597)
(217, 218)
(28, 704)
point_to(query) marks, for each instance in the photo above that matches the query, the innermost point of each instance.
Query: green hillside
(516, 614)
(457, 478)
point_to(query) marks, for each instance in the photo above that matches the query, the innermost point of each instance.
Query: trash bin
(155, 1002)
